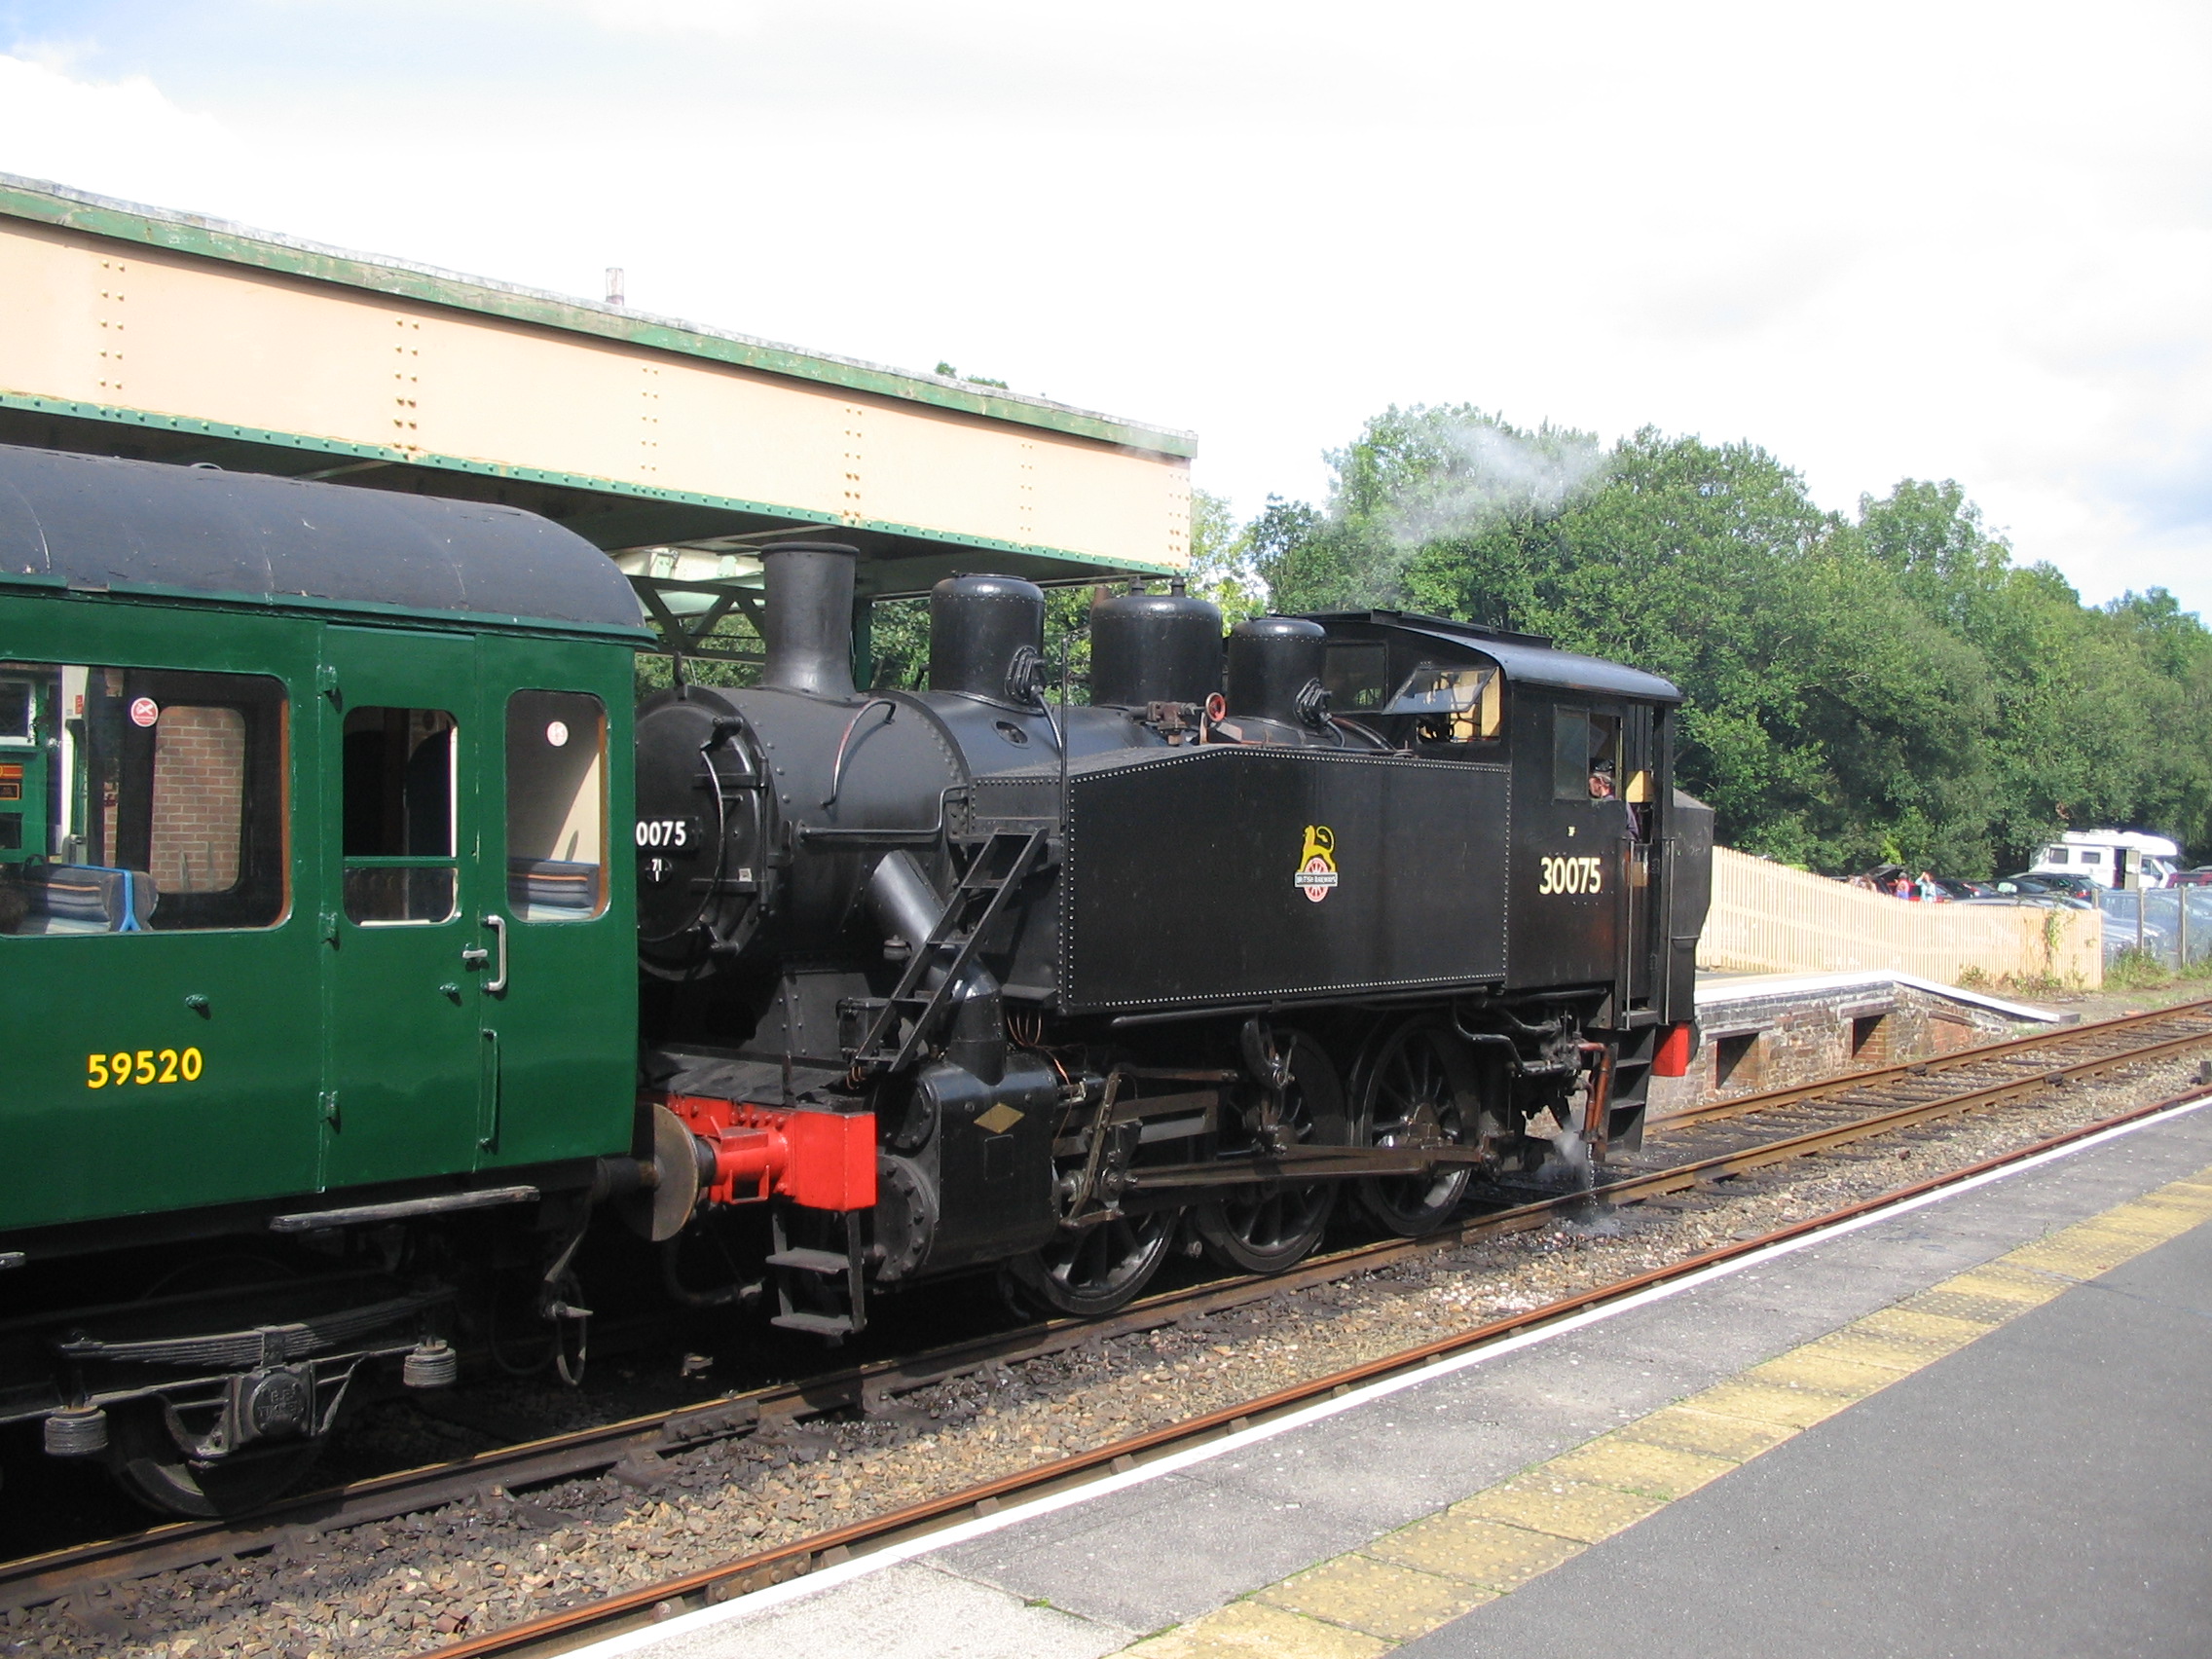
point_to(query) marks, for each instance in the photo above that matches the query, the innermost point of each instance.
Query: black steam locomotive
(1355, 902)
(330, 1046)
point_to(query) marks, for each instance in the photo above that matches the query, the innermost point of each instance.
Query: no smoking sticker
(144, 710)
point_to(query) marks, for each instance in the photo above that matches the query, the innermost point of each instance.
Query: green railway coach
(309, 805)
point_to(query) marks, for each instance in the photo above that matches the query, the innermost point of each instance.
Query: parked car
(2201, 877)
(2080, 887)
(1958, 887)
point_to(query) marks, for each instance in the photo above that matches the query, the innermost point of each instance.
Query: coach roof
(84, 521)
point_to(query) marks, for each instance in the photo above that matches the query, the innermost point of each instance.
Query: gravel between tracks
(413, 1585)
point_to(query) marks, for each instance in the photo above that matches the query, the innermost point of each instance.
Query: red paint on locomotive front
(818, 1160)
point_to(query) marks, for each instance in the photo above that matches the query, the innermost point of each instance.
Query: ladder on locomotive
(996, 869)
(837, 1306)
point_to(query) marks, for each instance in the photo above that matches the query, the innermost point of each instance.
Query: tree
(1886, 686)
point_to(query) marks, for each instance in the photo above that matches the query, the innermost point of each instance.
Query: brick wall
(1756, 1041)
(199, 798)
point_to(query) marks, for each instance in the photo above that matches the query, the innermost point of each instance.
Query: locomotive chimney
(809, 629)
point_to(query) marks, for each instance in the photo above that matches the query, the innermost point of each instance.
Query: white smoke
(1477, 470)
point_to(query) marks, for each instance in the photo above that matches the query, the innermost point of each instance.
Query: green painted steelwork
(209, 239)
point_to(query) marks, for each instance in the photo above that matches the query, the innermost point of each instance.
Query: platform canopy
(137, 332)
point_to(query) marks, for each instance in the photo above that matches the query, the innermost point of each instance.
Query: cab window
(1451, 702)
(1585, 754)
(556, 806)
(398, 816)
(1356, 675)
(140, 800)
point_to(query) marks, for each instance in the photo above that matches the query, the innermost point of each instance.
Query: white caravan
(2111, 857)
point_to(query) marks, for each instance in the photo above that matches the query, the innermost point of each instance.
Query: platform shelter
(140, 332)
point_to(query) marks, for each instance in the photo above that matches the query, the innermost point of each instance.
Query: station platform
(1972, 1423)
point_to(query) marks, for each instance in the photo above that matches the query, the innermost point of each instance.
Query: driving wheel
(1093, 1269)
(1416, 1089)
(1266, 1228)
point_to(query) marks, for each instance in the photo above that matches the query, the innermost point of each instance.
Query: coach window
(140, 800)
(556, 806)
(400, 816)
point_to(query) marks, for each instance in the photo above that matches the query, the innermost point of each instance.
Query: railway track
(1702, 1147)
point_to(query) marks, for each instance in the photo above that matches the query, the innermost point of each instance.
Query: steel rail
(641, 1441)
(561, 1630)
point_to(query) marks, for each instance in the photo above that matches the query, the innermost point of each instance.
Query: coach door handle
(498, 983)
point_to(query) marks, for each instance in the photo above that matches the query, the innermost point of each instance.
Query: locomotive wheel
(1417, 1088)
(1268, 1228)
(1094, 1271)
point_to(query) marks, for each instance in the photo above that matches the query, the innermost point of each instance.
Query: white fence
(1769, 918)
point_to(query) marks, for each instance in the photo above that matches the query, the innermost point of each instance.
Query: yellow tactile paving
(1865, 1347)
(1932, 1332)
(1764, 1402)
(2176, 1204)
(2080, 1255)
(2150, 1214)
(1825, 1370)
(1244, 1630)
(1375, 1598)
(1410, 1582)
(1953, 1302)
(1474, 1551)
(1637, 1466)
(1545, 1502)
(2001, 1279)
(1685, 1428)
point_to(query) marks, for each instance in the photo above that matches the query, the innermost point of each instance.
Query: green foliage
(2134, 969)
(1221, 567)
(1889, 687)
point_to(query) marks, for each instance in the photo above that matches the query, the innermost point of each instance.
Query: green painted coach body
(315, 881)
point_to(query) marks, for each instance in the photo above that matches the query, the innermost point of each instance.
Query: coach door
(560, 1014)
(406, 954)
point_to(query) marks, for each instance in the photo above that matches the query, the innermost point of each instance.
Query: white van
(2111, 857)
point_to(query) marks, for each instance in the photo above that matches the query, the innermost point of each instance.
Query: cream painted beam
(130, 313)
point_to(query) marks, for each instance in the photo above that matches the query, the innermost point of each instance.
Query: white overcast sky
(1882, 240)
